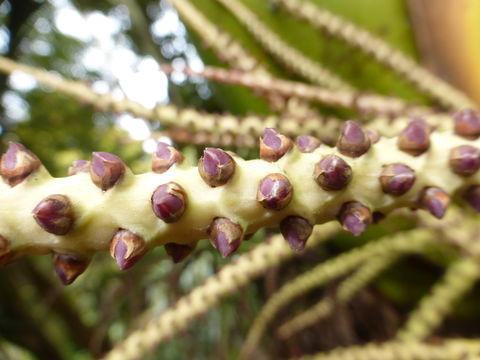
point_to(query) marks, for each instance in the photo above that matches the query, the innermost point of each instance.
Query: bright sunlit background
(115, 47)
(109, 53)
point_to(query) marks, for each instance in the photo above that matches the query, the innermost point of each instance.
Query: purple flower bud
(54, 214)
(353, 141)
(467, 124)
(5, 252)
(332, 173)
(17, 164)
(274, 192)
(296, 230)
(69, 266)
(216, 167)
(435, 200)
(373, 135)
(307, 144)
(397, 179)
(273, 145)
(106, 170)
(169, 201)
(355, 217)
(225, 235)
(79, 166)
(464, 160)
(178, 252)
(127, 248)
(472, 196)
(165, 157)
(415, 138)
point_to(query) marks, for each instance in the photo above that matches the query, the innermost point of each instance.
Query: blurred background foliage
(115, 46)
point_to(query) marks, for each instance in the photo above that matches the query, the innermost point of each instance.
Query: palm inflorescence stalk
(312, 170)
(294, 185)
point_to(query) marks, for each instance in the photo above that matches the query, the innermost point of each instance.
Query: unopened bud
(415, 138)
(296, 230)
(106, 169)
(435, 200)
(17, 164)
(373, 135)
(69, 266)
(127, 248)
(472, 196)
(273, 145)
(164, 157)
(397, 179)
(169, 202)
(55, 214)
(332, 173)
(275, 192)
(467, 124)
(307, 144)
(216, 167)
(464, 160)
(355, 217)
(225, 235)
(353, 141)
(79, 166)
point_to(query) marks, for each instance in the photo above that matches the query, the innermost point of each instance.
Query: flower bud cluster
(294, 185)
